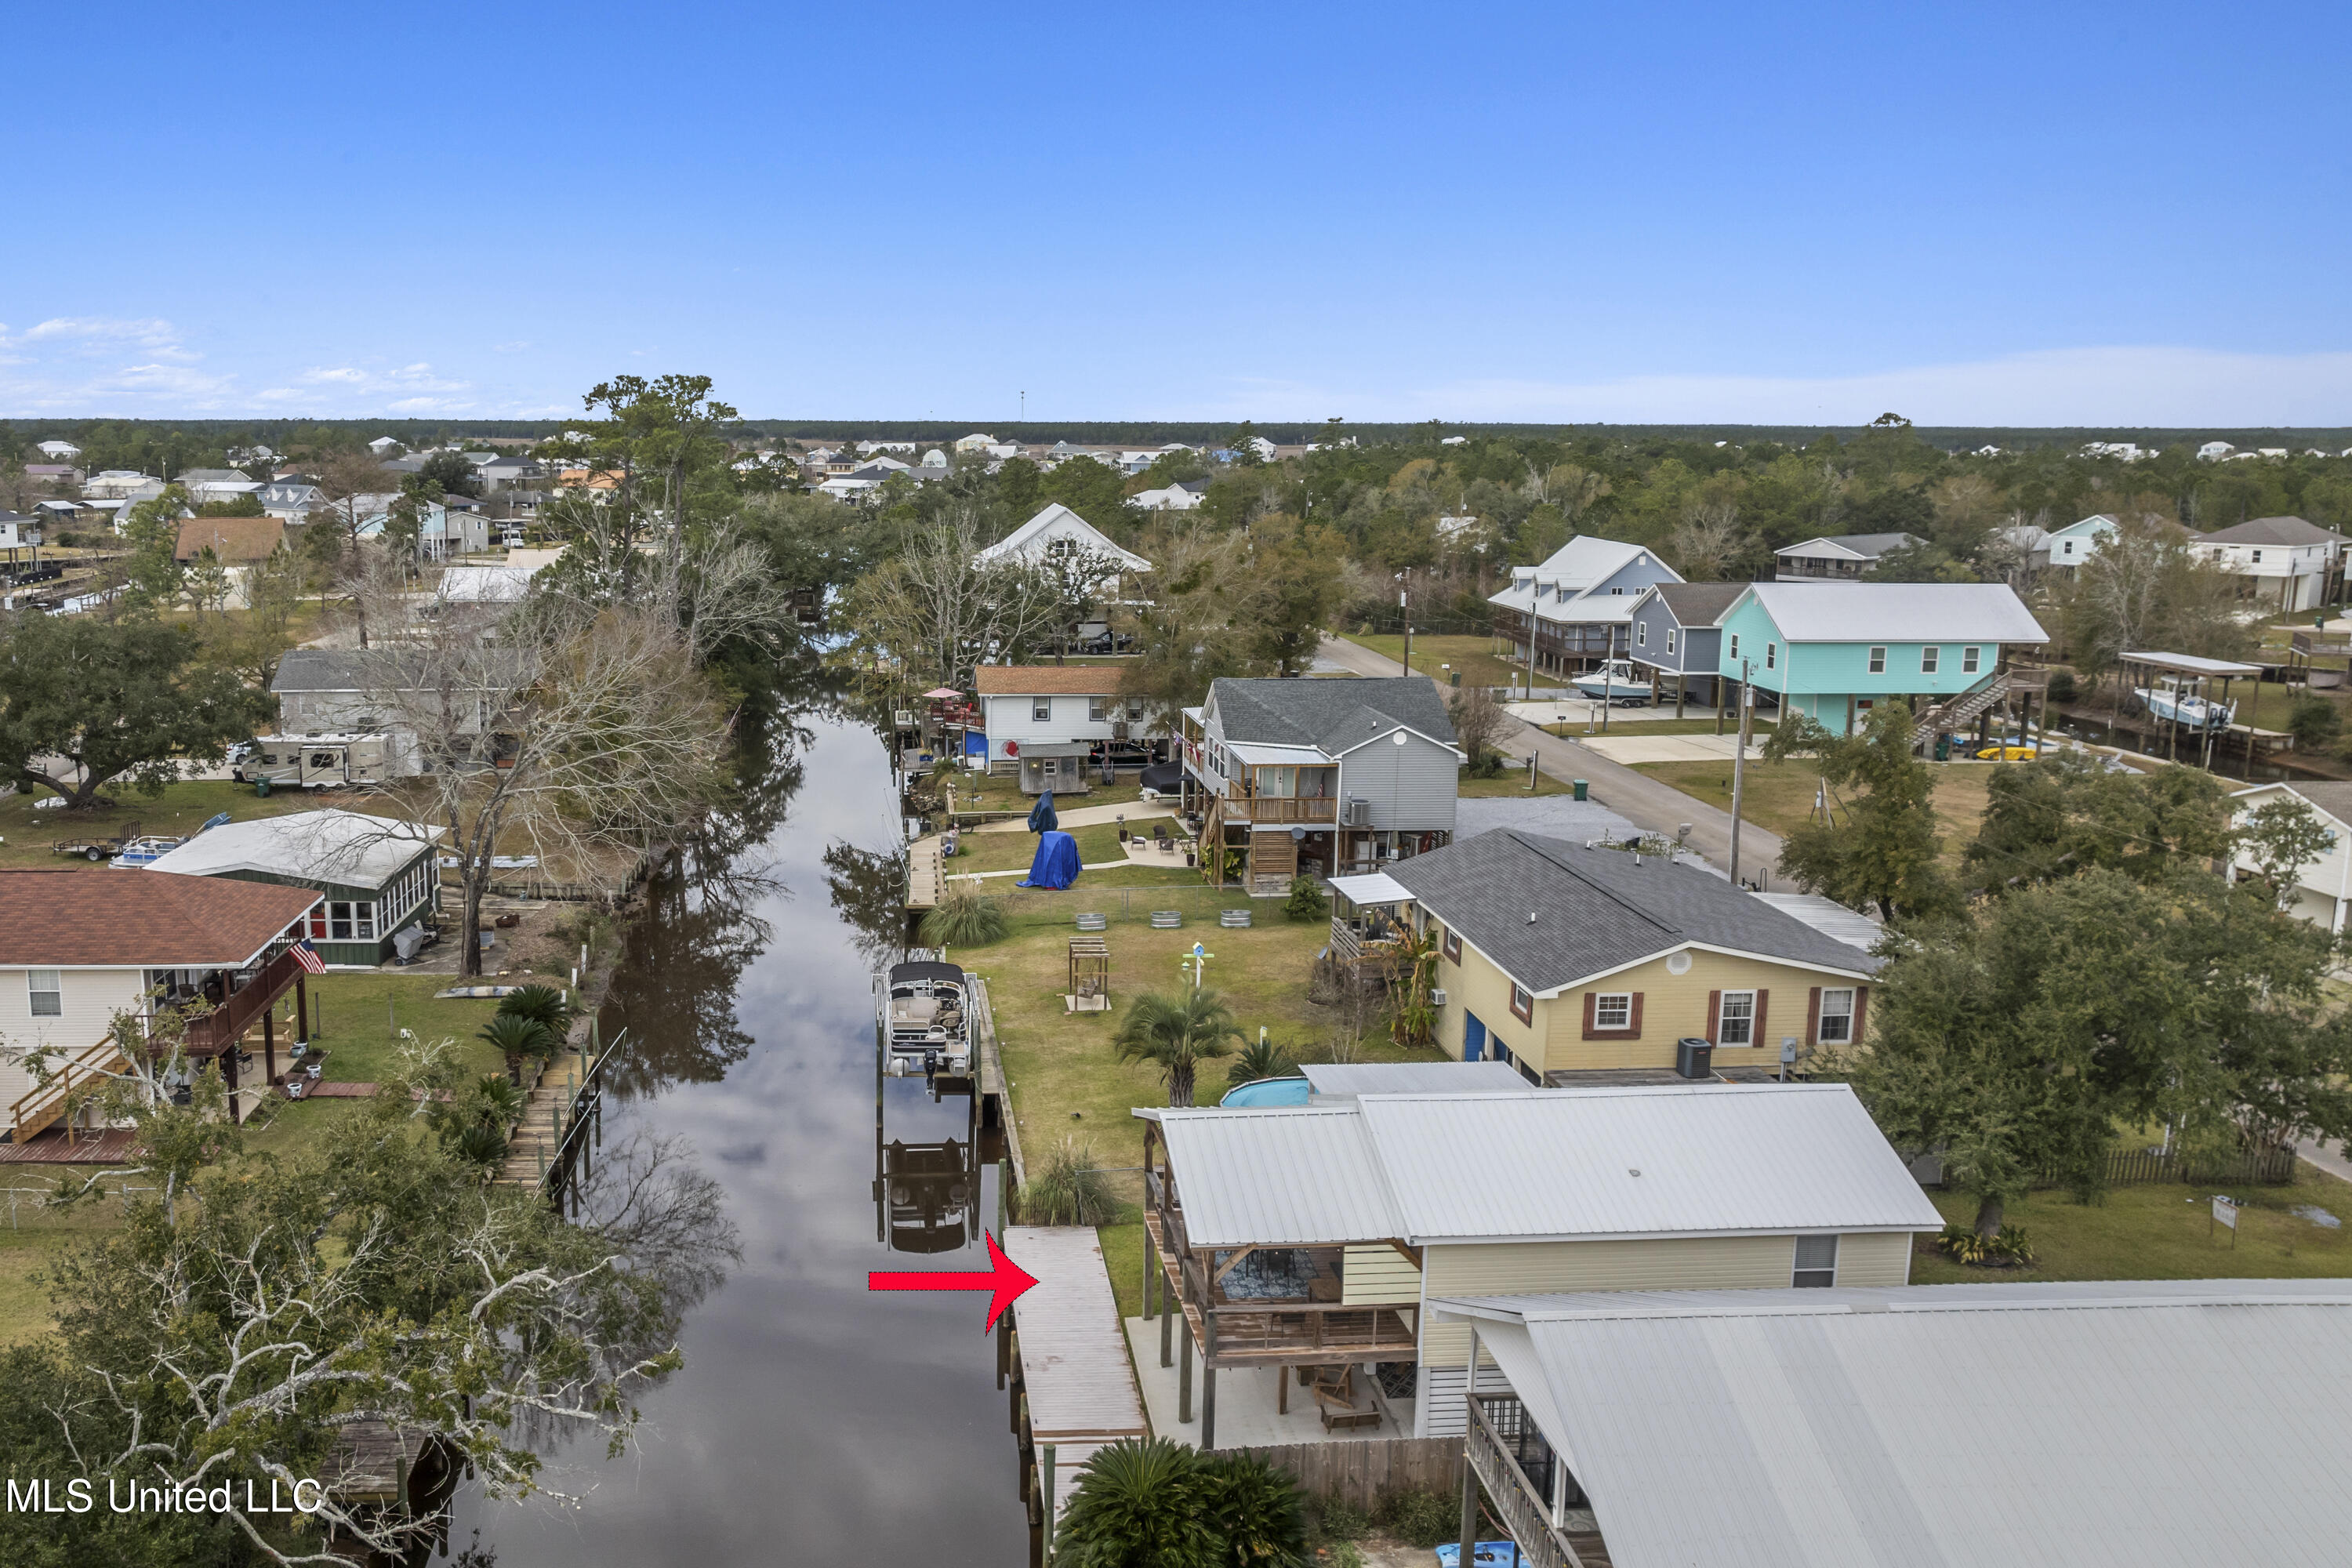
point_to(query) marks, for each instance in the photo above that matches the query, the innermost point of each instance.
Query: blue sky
(1994, 214)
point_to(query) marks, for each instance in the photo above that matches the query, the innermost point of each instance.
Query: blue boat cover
(975, 743)
(1040, 816)
(1057, 864)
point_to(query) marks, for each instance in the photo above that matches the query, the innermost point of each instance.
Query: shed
(376, 873)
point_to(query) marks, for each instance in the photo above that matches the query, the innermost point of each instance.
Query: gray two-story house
(1570, 614)
(1327, 776)
(1675, 637)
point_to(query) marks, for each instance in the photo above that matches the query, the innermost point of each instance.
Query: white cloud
(345, 375)
(513, 348)
(2131, 385)
(150, 332)
(428, 405)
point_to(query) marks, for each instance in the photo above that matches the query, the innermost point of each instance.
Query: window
(1878, 661)
(1670, 639)
(1971, 659)
(1616, 590)
(1734, 645)
(364, 922)
(2070, 547)
(1929, 658)
(339, 921)
(1736, 1025)
(1523, 1004)
(1836, 1025)
(2258, 557)
(1452, 945)
(1041, 710)
(48, 997)
(1135, 710)
(1098, 709)
(1771, 655)
(1816, 1262)
(1641, 633)
(1613, 1012)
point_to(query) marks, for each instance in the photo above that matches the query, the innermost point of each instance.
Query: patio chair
(1159, 839)
(1335, 1400)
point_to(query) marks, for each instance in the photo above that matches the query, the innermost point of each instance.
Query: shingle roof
(320, 669)
(233, 540)
(1044, 680)
(1898, 612)
(1334, 715)
(109, 919)
(1699, 603)
(2274, 531)
(1598, 910)
(1870, 545)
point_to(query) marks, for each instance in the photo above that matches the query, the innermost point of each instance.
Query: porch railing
(1525, 1512)
(1280, 808)
(38, 1106)
(226, 1024)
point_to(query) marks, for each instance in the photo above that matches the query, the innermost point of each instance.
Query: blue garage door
(1473, 1038)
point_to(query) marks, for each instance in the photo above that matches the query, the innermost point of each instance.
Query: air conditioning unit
(1118, 731)
(1359, 812)
(1437, 995)
(904, 718)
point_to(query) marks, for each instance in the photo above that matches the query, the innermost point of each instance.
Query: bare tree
(2143, 589)
(715, 585)
(1479, 721)
(352, 482)
(1708, 541)
(939, 610)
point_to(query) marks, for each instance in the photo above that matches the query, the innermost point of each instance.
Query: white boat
(1615, 682)
(2167, 702)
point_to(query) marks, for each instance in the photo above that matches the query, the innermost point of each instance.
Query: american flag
(308, 957)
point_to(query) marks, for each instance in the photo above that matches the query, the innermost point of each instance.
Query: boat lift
(2172, 686)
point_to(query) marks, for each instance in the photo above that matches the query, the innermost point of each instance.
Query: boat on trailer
(927, 1018)
(1615, 682)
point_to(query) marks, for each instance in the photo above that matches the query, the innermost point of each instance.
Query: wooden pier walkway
(925, 879)
(1062, 1350)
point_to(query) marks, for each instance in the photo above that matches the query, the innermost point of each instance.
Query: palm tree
(544, 1004)
(1178, 1033)
(515, 1037)
(1137, 1504)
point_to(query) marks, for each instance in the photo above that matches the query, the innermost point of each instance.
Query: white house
(1043, 722)
(18, 532)
(1057, 533)
(59, 452)
(2077, 541)
(1182, 495)
(2324, 887)
(975, 442)
(2281, 563)
(2214, 451)
(385, 446)
(119, 484)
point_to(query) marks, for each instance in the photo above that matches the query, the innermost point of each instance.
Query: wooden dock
(926, 877)
(995, 1093)
(1061, 1348)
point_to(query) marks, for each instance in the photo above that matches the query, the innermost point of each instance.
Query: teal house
(377, 875)
(1834, 651)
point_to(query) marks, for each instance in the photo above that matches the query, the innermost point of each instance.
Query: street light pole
(1739, 762)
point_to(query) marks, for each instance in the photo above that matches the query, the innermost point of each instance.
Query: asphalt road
(1640, 799)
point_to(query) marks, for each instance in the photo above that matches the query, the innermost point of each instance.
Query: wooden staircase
(39, 1108)
(1963, 711)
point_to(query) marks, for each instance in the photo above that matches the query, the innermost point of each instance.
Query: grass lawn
(2159, 1232)
(1010, 851)
(1780, 796)
(34, 1240)
(1513, 782)
(1440, 657)
(977, 792)
(25, 833)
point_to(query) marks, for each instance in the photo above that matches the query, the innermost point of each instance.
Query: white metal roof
(2154, 1424)
(1346, 1081)
(1723, 1159)
(1257, 753)
(1028, 542)
(345, 847)
(1372, 888)
(2189, 664)
(1898, 612)
(1828, 917)
(1546, 1164)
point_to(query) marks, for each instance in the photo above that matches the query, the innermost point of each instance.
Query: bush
(2062, 686)
(1260, 1058)
(1068, 1190)
(2314, 721)
(1964, 1244)
(1307, 900)
(541, 1003)
(1256, 1507)
(1423, 1519)
(1340, 1519)
(1138, 1501)
(963, 919)
(1483, 764)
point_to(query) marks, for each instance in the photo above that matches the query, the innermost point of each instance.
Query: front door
(1473, 1038)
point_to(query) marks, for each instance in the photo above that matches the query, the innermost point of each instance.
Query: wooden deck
(1072, 1389)
(1280, 1332)
(926, 877)
(105, 1146)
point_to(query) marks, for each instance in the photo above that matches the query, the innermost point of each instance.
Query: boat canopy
(2190, 664)
(925, 969)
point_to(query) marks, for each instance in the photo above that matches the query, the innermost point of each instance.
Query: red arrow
(1004, 1279)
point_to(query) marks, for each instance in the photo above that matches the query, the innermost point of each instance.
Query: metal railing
(1524, 1510)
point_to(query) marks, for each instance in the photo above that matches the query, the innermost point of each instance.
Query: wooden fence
(1362, 1472)
(2137, 1167)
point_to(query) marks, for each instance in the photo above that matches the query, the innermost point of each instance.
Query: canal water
(812, 1422)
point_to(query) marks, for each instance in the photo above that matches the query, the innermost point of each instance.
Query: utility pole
(1740, 762)
(1404, 609)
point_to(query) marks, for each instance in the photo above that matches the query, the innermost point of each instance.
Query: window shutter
(1755, 1035)
(1861, 1001)
(1636, 1020)
(1713, 1017)
(1589, 1002)
(1813, 1018)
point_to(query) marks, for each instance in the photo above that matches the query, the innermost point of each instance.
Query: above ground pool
(1291, 1091)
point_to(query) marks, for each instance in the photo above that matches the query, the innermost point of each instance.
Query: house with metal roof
(2280, 562)
(1046, 724)
(2072, 545)
(2031, 1426)
(1332, 777)
(376, 875)
(1835, 651)
(1573, 611)
(1570, 960)
(1675, 637)
(1316, 1237)
(1839, 558)
(78, 949)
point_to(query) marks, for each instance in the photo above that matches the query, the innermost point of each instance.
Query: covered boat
(925, 1019)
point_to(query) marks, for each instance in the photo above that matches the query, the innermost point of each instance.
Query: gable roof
(346, 846)
(117, 920)
(2098, 523)
(1058, 521)
(2274, 531)
(1598, 910)
(1860, 1428)
(2331, 796)
(1699, 603)
(1333, 716)
(1898, 612)
(1044, 680)
(1862, 546)
(320, 669)
(1714, 1158)
(234, 540)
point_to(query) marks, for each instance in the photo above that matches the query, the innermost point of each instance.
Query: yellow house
(1565, 960)
(1316, 1237)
